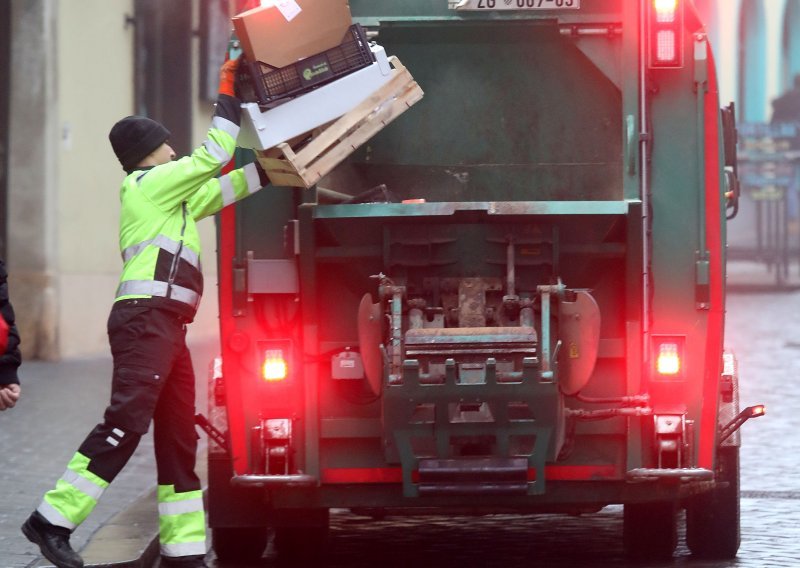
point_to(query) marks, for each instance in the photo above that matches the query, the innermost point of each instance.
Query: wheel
(713, 518)
(239, 544)
(650, 530)
(301, 535)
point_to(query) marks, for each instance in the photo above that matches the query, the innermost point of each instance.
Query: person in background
(786, 109)
(9, 338)
(157, 297)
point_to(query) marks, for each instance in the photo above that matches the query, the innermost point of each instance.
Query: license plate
(493, 5)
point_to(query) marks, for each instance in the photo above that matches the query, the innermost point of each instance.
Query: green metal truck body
(530, 316)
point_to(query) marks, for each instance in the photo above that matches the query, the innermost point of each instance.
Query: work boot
(183, 562)
(53, 541)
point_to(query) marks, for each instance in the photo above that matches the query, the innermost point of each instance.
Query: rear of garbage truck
(510, 299)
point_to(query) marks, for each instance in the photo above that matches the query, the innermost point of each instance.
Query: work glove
(227, 77)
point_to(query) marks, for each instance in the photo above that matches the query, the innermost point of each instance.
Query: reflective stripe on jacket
(158, 237)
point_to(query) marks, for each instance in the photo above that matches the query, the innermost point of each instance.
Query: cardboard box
(267, 35)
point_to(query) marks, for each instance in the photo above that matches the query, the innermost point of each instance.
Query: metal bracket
(395, 294)
(545, 291)
(670, 434)
(277, 433)
(745, 415)
(681, 473)
(273, 481)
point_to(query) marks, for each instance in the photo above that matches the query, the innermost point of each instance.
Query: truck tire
(239, 544)
(650, 530)
(713, 518)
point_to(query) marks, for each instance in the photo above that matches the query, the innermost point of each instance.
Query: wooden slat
(285, 179)
(272, 163)
(349, 144)
(333, 142)
(351, 119)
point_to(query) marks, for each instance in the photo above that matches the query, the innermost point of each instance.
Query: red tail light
(668, 361)
(668, 356)
(665, 31)
(665, 10)
(275, 366)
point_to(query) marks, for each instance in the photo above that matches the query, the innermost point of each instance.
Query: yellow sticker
(573, 351)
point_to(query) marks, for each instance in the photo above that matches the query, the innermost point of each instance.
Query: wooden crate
(289, 165)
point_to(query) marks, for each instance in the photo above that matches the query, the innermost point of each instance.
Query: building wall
(73, 78)
(33, 192)
(95, 71)
(791, 43)
(771, 29)
(206, 323)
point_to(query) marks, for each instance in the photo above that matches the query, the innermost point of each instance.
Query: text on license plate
(515, 4)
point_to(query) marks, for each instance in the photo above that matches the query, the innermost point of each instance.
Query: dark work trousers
(153, 379)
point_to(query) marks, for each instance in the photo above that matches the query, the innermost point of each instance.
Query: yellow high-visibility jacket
(158, 236)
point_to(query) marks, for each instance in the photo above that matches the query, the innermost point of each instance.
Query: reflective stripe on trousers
(75, 495)
(182, 522)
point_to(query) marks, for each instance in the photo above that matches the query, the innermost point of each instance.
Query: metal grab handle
(212, 432)
(739, 419)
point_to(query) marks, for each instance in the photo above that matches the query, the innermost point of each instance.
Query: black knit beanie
(134, 137)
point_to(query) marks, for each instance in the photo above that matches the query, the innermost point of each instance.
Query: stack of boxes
(310, 71)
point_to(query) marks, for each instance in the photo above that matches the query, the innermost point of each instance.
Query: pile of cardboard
(334, 115)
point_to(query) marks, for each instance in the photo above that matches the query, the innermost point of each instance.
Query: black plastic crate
(267, 85)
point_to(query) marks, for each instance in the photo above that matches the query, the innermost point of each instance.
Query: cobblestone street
(61, 402)
(770, 537)
(40, 435)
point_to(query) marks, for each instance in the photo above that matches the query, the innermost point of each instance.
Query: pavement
(61, 402)
(749, 276)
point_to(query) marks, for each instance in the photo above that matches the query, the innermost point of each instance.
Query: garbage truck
(511, 299)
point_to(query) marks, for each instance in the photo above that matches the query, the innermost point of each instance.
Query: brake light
(275, 367)
(668, 357)
(665, 31)
(665, 10)
(669, 360)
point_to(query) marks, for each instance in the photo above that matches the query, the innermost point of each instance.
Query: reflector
(665, 46)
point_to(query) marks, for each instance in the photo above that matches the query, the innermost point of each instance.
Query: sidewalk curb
(128, 540)
(131, 534)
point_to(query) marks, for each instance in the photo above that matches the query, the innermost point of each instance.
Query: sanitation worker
(9, 347)
(157, 297)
